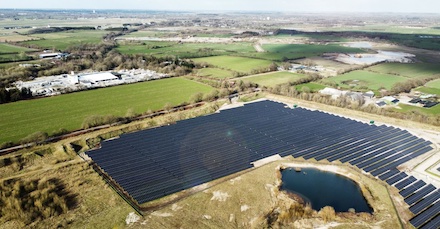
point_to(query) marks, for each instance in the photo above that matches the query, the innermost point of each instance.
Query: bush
(35, 137)
(327, 213)
(98, 120)
(198, 97)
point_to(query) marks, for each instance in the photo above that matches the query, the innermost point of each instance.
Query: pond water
(322, 189)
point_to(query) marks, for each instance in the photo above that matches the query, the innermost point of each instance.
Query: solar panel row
(157, 162)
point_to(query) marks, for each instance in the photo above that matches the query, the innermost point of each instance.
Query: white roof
(98, 77)
(388, 98)
(331, 91)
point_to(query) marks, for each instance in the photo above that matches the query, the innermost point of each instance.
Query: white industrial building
(53, 85)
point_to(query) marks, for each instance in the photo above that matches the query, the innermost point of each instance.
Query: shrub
(327, 213)
(35, 137)
(29, 201)
(98, 120)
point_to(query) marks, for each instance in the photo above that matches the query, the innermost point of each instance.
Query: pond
(322, 189)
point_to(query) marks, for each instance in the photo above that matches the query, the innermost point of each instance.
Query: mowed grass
(234, 63)
(417, 70)
(273, 79)
(62, 40)
(214, 73)
(19, 119)
(372, 80)
(7, 48)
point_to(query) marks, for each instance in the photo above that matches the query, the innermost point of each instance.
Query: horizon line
(219, 11)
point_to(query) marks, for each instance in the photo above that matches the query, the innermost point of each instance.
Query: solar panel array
(157, 162)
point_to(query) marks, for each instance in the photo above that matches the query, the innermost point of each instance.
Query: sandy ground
(266, 160)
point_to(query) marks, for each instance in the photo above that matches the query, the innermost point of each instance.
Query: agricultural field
(214, 73)
(62, 40)
(234, 63)
(19, 119)
(149, 33)
(366, 80)
(417, 70)
(273, 79)
(434, 84)
(432, 87)
(435, 110)
(311, 37)
(12, 53)
(61, 21)
(295, 51)
(184, 50)
(314, 87)
(7, 48)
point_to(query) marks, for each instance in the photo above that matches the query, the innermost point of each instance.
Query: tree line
(14, 94)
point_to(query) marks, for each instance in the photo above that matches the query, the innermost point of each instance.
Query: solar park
(157, 162)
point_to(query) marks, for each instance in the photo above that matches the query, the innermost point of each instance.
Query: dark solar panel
(412, 188)
(397, 178)
(425, 202)
(157, 162)
(405, 182)
(425, 215)
(420, 194)
(432, 224)
(389, 174)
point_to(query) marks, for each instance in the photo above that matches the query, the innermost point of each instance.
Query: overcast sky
(417, 6)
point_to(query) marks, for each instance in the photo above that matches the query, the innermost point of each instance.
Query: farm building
(53, 55)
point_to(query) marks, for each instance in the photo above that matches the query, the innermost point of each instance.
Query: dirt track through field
(258, 47)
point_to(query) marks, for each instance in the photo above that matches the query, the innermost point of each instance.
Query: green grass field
(62, 40)
(281, 52)
(185, 50)
(408, 108)
(432, 87)
(418, 70)
(428, 90)
(149, 33)
(434, 84)
(371, 80)
(234, 63)
(273, 79)
(22, 118)
(306, 48)
(7, 48)
(214, 73)
(313, 37)
(312, 86)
